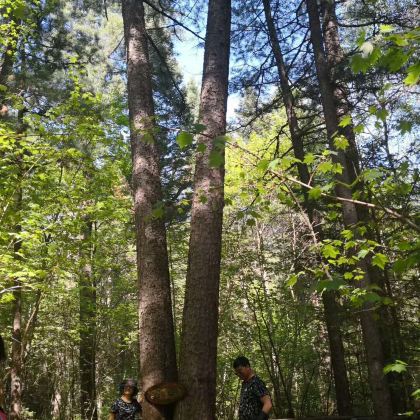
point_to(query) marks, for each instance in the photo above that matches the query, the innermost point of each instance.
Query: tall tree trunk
(200, 318)
(388, 324)
(3, 358)
(371, 336)
(157, 343)
(16, 356)
(331, 311)
(87, 346)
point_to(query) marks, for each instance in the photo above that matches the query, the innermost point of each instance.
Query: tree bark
(200, 318)
(388, 323)
(331, 311)
(16, 357)
(87, 346)
(157, 344)
(16, 354)
(371, 336)
(3, 358)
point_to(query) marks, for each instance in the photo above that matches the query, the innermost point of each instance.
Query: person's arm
(266, 408)
(113, 411)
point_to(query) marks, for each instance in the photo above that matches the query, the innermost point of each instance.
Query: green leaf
(399, 366)
(327, 285)
(387, 301)
(416, 394)
(215, 159)
(345, 121)
(250, 222)
(341, 143)
(404, 245)
(405, 126)
(347, 234)
(184, 139)
(362, 253)
(386, 28)
(273, 164)
(19, 11)
(394, 59)
(361, 38)
(413, 74)
(399, 39)
(315, 193)
(199, 128)
(372, 174)
(158, 212)
(330, 251)
(292, 281)
(122, 120)
(6, 298)
(325, 167)
(220, 142)
(380, 260)
(350, 244)
(382, 114)
(359, 128)
(262, 165)
(362, 62)
(309, 158)
(405, 264)
(201, 148)
(372, 297)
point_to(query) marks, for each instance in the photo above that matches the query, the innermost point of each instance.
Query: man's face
(128, 390)
(243, 372)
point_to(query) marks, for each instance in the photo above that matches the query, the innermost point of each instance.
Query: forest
(183, 182)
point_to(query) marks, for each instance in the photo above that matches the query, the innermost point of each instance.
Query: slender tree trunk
(157, 343)
(16, 355)
(3, 358)
(371, 336)
(200, 318)
(388, 323)
(331, 311)
(87, 346)
(16, 386)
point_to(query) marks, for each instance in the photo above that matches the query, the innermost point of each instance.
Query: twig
(150, 4)
(282, 176)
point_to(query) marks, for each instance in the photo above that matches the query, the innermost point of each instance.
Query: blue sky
(190, 61)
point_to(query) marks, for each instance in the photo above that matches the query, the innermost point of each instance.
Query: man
(255, 402)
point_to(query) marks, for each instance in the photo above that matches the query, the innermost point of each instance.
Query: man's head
(242, 368)
(128, 387)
